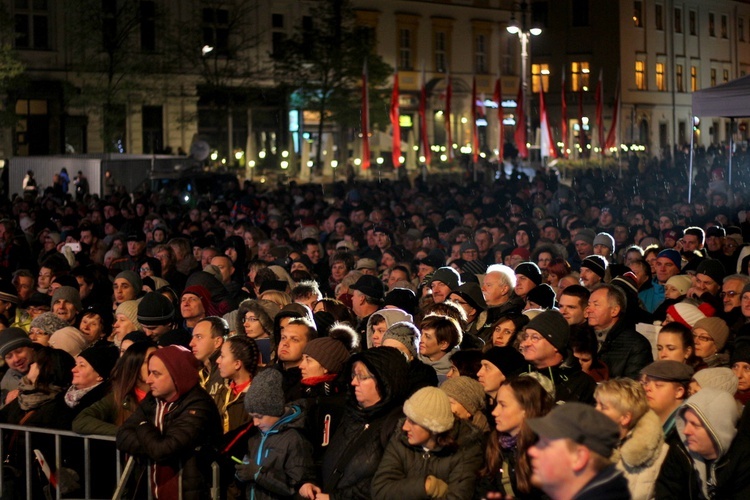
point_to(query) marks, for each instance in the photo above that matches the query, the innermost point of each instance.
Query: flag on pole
(612, 134)
(581, 132)
(474, 131)
(365, 121)
(395, 125)
(547, 146)
(497, 96)
(448, 131)
(520, 135)
(423, 121)
(564, 124)
(599, 120)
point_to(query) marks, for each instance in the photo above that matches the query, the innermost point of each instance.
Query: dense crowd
(515, 339)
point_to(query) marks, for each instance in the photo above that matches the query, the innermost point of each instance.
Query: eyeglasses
(533, 338)
(362, 376)
(702, 338)
(729, 294)
(144, 269)
(251, 319)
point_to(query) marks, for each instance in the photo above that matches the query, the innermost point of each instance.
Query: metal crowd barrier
(120, 475)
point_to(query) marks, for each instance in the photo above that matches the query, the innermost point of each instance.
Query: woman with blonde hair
(642, 448)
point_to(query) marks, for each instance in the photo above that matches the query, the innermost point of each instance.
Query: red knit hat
(181, 365)
(202, 293)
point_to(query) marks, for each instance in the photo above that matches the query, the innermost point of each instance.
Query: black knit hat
(530, 270)
(102, 359)
(471, 293)
(543, 295)
(596, 263)
(265, 395)
(507, 359)
(553, 327)
(12, 338)
(712, 268)
(155, 309)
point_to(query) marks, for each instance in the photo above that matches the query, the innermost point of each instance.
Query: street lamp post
(524, 32)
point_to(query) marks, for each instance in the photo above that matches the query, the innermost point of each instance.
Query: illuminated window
(539, 77)
(661, 84)
(579, 76)
(679, 78)
(640, 75)
(638, 14)
(693, 78)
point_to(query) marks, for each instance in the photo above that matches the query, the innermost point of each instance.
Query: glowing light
(238, 155)
(379, 161)
(401, 159)
(464, 119)
(422, 159)
(262, 154)
(334, 163)
(443, 157)
(309, 163)
(251, 164)
(214, 156)
(284, 154)
(357, 162)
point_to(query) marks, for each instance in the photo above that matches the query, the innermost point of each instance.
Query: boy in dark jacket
(279, 459)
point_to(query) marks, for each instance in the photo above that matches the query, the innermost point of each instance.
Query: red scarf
(311, 381)
(238, 389)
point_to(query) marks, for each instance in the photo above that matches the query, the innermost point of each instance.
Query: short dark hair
(577, 291)
(219, 326)
(446, 330)
(697, 232)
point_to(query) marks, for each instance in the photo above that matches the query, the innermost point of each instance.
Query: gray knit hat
(605, 239)
(553, 327)
(430, 408)
(266, 395)
(129, 309)
(718, 378)
(69, 294)
(466, 391)
(48, 322)
(132, 278)
(155, 309)
(405, 333)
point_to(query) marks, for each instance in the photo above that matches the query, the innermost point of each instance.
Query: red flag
(520, 135)
(448, 99)
(395, 125)
(581, 132)
(564, 127)
(423, 121)
(474, 131)
(599, 120)
(497, 96)
(612, 134)
(547, 146)
(365, 121)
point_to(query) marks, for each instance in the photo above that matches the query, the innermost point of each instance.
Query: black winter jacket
(625, 352)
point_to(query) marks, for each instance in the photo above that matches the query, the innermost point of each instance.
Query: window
(693, 78)
(725, 76)
(580, 13)
(277, 21)
(216, 29)
(579, 76)
(148, 26)
(741, 29)
(693, 21)
(711, 24)
(661, 84)
(678, 20)
(724, 33)
(31, 24)
(480, 54)
(659, 17)
(404, 49)
(539, 77)
(679, 81)
(638, 14)
(441, 49)
(713, 77)
(640, 75)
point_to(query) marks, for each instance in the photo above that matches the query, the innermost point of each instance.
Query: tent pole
(690, 170)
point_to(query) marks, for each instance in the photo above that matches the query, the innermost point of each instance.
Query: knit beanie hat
(430, 408)
(182, 367)
(265, 395)
(605, 239)
(741, 353)
(721, 378)
(466, 391)
(685, 313)
(202, 293)
(530, 270)
(672, 255)
(8, 292)
(48, 322)
(129, 309)
(447, 275)
(717, 328)
(543, 295)
(102, 359)
(712, 268)
(586, 235)
(12, 338)
(507, 359)
(69, 339)
(329, 352)
(681, 282)
(134, 280)
(69, 294)
(472, 293)
(553, 327)
(155, 309)
(521, 252)
(404, 333)
(596, 263)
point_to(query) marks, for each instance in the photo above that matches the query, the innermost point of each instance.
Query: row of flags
(548, 145)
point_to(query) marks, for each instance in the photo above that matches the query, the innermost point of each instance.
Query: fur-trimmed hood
(642, 445)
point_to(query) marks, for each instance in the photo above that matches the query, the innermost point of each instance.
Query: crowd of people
(519, 339)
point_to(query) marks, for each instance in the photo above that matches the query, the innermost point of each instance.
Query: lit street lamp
(524, 31)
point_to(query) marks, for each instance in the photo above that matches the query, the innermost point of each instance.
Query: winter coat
(686, 475)
(231, 407)
(494, 313)
(608, 483)
(355, 451)
(404, 468)
(625, 352)
(66, 414)
(282, 457)
(571, 384)
(191, 430)
(640, 455)
(324, 404)
(100, 417)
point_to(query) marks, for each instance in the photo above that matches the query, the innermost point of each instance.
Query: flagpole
(474, 138)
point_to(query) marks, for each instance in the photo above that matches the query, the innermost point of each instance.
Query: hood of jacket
(643, 443)
(391, 316)
(717, 410)
(390, 369)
